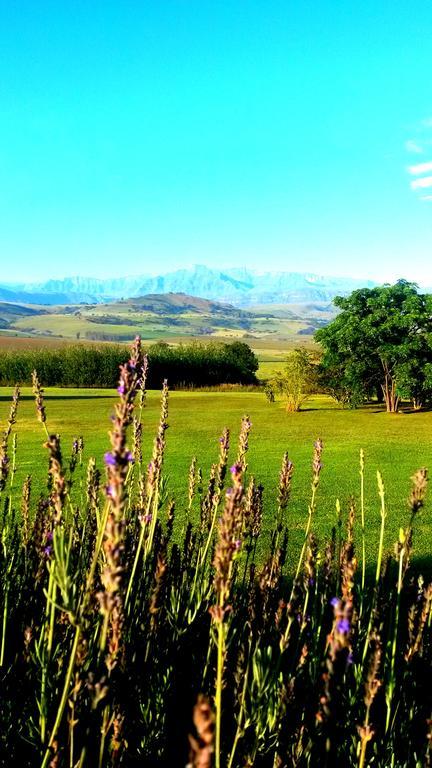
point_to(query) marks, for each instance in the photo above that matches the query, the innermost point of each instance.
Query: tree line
(80, 365)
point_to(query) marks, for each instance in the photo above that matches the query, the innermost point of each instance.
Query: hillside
(170, 316)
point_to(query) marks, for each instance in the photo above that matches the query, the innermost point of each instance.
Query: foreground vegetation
(116, 627)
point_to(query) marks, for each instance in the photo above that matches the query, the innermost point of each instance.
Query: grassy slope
(174, 321)
(395, 444)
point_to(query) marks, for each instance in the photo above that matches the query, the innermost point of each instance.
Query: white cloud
(422, 183)
(414, 147)
(420, 168)
(421, 144)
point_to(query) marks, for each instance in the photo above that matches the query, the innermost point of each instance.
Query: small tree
(295, 383)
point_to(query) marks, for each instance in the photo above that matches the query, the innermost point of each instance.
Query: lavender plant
(128, 638)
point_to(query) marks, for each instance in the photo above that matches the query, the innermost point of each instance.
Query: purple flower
(334, 602)
(235, 469)
(343, 626)
(148, 518)
(129, 456)
(109, 490)
(237, 544)
(109, 459)
(121, 389)
(48, 550)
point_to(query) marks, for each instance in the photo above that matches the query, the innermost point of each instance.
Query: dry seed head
(285, 478)
(416, 638)
(156, 600)
(192, 480)
(224, 443)
(201, 746)
(137, 440)
(418, 490)
(25, 510)
(243, 443)
(372, 682)
(143, 382)
(39, 400)
(92, 483)
(316, 462)
(12, 412)
(228, 543)
(4, 458)
(58, 482)
(311, 560)
(257, 511)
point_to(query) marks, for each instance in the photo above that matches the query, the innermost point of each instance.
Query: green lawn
(395, 444)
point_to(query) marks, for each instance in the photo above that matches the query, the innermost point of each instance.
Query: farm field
(170, 317)
(396, 445)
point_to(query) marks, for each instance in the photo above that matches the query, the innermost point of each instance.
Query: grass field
(395, 444)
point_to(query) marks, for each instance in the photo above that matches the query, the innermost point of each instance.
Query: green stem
(135, 563)
(383, 517)
(239, 728)
(379, 562)
(4, 624)
(64, 697)
(391, 684)
(362, 512)
(218, 693)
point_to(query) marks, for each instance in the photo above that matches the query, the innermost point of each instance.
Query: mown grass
(396, 445)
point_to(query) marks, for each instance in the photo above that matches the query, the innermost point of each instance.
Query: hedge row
(84, 366)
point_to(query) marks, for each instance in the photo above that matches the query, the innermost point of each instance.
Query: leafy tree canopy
(380, 343)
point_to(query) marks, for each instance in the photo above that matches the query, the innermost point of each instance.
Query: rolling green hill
(170, 317)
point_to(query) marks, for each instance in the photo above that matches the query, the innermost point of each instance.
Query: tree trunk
(391, 398)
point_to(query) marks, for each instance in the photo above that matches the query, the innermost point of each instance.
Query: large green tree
(380, 343)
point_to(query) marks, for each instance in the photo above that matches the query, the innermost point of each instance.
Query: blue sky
(150, 135)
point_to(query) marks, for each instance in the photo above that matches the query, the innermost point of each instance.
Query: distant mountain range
(240, 287)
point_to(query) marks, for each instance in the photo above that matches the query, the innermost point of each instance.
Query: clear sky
(148, 135)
